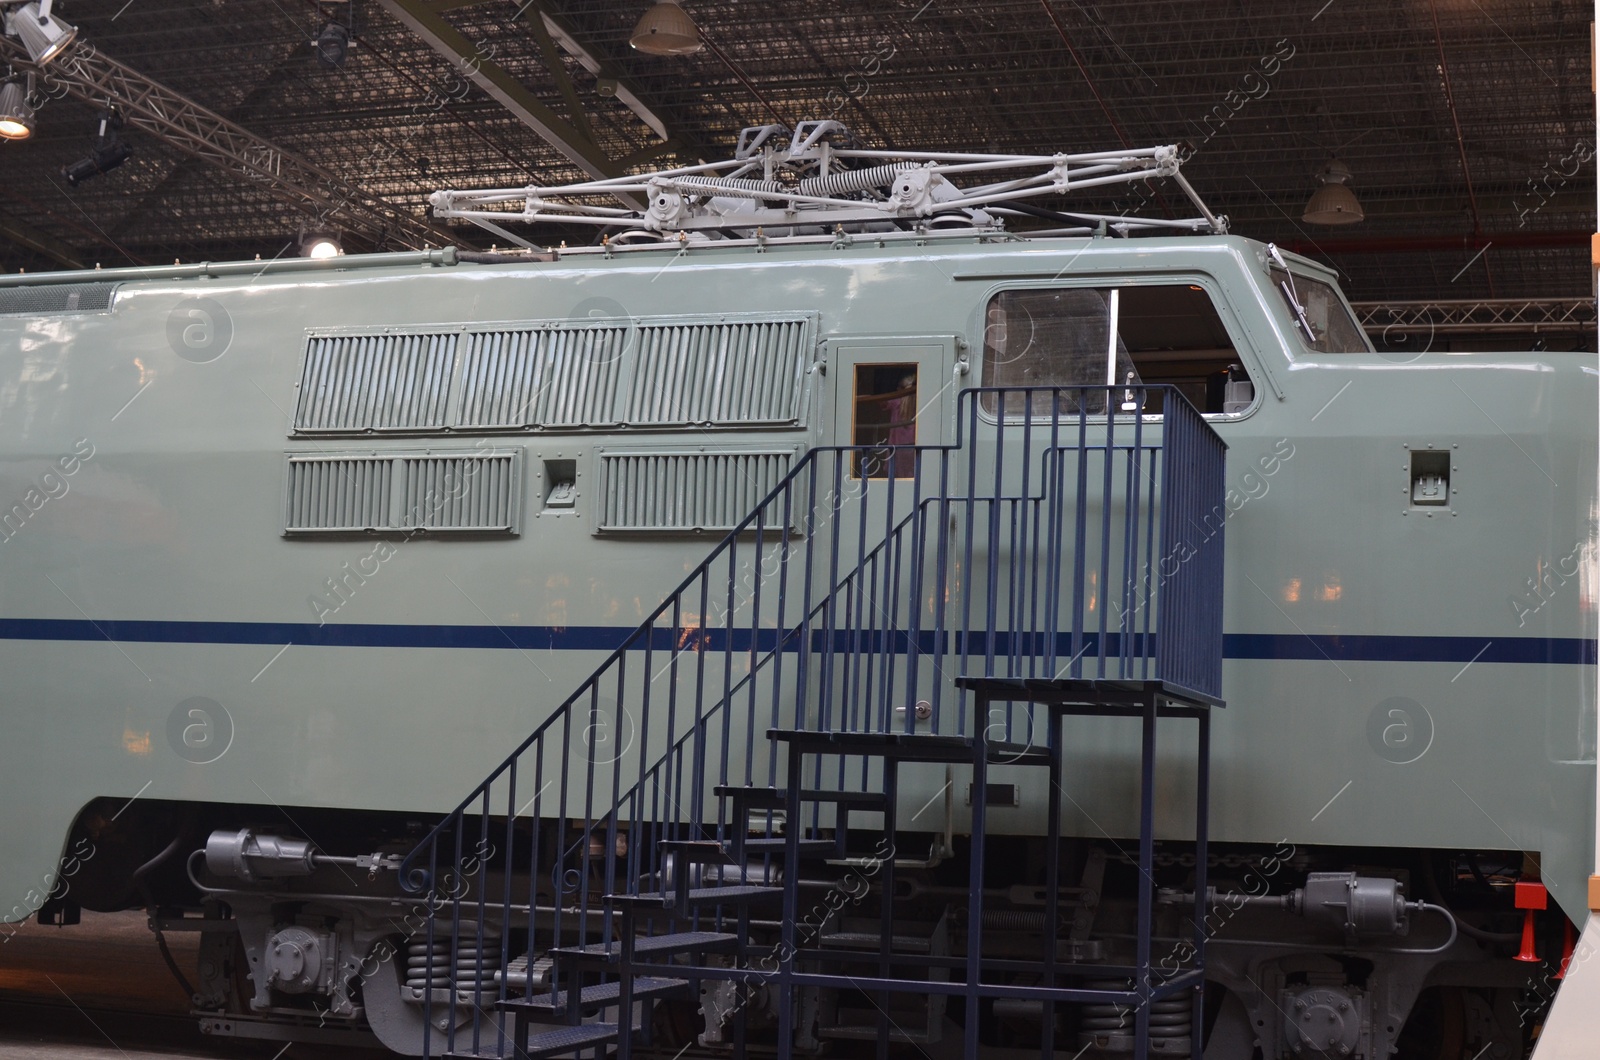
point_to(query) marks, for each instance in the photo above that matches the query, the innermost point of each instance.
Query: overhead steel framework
(1478, 316)
(1250, 87)
(575, 138)
(144, 104)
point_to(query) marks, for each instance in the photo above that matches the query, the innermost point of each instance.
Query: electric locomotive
(298, 551)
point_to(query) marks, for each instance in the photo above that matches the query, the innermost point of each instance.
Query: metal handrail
(1015, 517)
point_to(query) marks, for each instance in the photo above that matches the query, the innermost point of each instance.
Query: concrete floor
(100, 991)
(110, 959)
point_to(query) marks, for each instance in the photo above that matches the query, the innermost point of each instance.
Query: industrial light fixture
(320, 244)
(666, 29)
(108, 153)
(1333, 203)
(42, 33)
(332, 44)
(16, 113)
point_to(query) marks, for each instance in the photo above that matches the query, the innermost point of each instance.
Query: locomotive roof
(842, 247)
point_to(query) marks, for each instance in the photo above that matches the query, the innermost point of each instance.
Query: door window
(885, 417)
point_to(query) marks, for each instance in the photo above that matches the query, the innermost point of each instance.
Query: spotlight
(109, 152)
(44, 35)
(331, 45)
(320, 245)
(100, 160)
(666, 29)
(16, 116)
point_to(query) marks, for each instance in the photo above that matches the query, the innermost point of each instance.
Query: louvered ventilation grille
(460, 492)
(686, 491)
(468, 490)
(652, 372)
(56, 298)
(384, 382)
(338, 493)
(552, 377)
(719, 373)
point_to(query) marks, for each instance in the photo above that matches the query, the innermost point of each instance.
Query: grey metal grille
(720, 373)
(376, 382)
(654, 372)
(464, 491)
(541, 376)
(56, 298)
(461, 492)
(337, 492)
(699, 490)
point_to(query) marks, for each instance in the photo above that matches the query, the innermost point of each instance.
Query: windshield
(1333, 328)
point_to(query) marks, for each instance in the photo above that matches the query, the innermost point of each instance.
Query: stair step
(564, 1040)
(867, 940)
(925, 747)
(870, 1034)
(1018, 754)
(552, 1043)
(697, 851)
(733, 894)
(740, 894)
(654, 946)
(776, 798)
(555, 1004)
(808, 848)
(909, 747)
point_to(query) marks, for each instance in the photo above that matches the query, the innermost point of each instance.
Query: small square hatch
(1430, 478)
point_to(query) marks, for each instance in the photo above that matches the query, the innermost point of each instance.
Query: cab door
(894, 402)
(890, 394)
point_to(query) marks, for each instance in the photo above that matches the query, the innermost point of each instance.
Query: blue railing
(1048, 540)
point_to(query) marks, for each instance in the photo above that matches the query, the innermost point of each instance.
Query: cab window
(1164, 333)
(1328, 326)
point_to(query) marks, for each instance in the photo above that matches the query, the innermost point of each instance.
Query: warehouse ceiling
(1467, 125)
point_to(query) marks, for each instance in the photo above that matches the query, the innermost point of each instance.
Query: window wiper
(1289, 292)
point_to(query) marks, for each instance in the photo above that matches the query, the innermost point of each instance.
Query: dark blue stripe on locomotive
(1340, 648)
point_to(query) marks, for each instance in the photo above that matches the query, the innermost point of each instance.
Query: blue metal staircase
(959, 612)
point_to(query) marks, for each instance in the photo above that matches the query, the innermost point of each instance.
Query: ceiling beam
(92, 77)
(190, 165)
(558, 70)
(567, 36)
(425, 21)
(25, 235)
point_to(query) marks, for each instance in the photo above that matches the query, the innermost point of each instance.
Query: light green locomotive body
(1401, 671)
